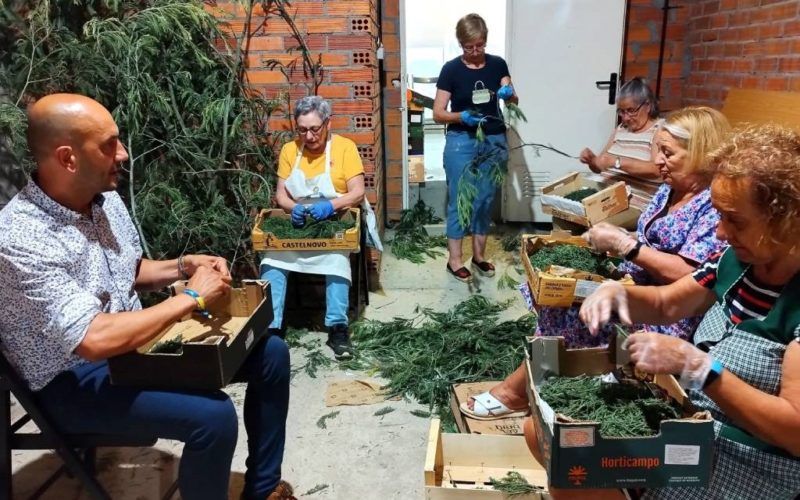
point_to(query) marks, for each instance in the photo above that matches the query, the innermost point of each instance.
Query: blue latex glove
(299, 215)
(471, 118)
(321, 210)
(505, 92)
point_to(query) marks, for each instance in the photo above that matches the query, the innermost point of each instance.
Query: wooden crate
(558, 287)
(349, 239)
(458, 466)
(589, 211)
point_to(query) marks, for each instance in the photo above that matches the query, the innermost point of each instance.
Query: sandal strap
(484, 266)
(461, 272)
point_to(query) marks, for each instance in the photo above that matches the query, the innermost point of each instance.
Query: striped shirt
(748, 299)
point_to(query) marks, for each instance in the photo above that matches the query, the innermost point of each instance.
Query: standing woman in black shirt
(472, 85)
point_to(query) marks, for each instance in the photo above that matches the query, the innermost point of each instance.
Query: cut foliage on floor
(423, 356)
(315, 357)
(412, 241)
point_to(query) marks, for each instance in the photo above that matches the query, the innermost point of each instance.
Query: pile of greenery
(575, 257)
(627, 409)
(172, 74)
(514, 484)
(412, 241)
(313, 229)
(423, 356)
(580, 194)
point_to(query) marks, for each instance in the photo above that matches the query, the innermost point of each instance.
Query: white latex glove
(657, 353)
(605, 237)
(597, 307)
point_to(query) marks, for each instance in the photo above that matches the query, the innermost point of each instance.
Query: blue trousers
(83, 400)
(337, 296)
(459, 151)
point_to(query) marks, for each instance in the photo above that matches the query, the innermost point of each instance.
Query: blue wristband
(201, 303)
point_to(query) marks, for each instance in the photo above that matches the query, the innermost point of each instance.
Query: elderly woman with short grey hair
(631, 147)
(319, 174)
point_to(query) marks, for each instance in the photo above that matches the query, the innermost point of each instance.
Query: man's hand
(471, 118)
(322, 210)
(299, 215)
(605, 237)
(597, 308)
(506, 92)
(209, 283)
(192, 263)
(657, 353)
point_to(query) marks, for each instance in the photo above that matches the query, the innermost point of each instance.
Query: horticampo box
(589, 211)
(577, 456)
(349, 239)
(558, 286)
(214, 347)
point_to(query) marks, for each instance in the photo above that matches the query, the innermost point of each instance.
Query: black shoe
(339, 341)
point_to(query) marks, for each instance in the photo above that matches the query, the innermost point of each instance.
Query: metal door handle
(611, 85)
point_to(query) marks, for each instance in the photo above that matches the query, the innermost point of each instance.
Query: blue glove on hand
(505, 92)
(471, 118)
(299, 215)
(321, 210)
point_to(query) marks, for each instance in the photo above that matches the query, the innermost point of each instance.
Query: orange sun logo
(577, 474)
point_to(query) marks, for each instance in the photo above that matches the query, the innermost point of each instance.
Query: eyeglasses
(631, 112)
(314, 130)
(478, 47)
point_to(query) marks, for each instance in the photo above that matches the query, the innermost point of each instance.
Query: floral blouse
(689, 231)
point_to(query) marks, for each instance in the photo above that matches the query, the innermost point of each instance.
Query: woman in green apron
(743, 365)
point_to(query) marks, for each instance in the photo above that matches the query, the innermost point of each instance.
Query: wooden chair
(77, 451)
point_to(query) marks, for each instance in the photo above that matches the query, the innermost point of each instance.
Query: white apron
(309, 191)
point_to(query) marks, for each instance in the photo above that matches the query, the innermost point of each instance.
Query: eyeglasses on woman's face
(630, 111)
(315, 130)
(474, 47)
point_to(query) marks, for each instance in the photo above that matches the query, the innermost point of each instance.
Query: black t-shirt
(460, 81)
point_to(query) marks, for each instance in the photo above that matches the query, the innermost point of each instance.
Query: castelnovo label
(303, 244)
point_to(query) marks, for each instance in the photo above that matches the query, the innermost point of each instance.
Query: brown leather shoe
(283, 491)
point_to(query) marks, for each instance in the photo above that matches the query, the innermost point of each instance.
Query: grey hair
(312, 103)
(639, 90)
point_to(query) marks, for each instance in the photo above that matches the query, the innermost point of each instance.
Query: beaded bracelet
(182, 268)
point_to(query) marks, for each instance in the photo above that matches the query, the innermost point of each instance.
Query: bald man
(70, 268)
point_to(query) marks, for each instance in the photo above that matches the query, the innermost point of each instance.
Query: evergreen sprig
(412, 241)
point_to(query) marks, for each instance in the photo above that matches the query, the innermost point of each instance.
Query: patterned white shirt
(58, 270)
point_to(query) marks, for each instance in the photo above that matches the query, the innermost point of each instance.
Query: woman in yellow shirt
(318, 174)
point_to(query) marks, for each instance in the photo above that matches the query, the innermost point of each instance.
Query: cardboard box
(458, 466)
(416, 169)
(577, 456)
(557, 286)
(349, 239)
(215, 347)
(592, 209)
(502, 426)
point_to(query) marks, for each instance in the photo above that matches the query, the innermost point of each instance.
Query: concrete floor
(359, 455)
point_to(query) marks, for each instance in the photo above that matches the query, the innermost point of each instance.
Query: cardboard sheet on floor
(355, 392)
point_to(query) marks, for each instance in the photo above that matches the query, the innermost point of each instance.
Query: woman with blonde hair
(472, 84)
(675, 233)
(743, 363)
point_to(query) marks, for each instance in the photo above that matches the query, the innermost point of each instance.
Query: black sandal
(485, 268)
(461, 274)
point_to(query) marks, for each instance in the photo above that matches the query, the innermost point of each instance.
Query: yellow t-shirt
(345, 162)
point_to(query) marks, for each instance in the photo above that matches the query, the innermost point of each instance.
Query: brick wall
(642, 48)
(343, 35)
(392, 126)
(749, 44)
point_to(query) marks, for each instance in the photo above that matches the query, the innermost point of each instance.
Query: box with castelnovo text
(577, 455)
(348, 239)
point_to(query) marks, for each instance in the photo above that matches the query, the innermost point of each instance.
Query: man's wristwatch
(713, 373)
(634, 252)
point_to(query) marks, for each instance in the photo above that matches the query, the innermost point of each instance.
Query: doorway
(428, 42)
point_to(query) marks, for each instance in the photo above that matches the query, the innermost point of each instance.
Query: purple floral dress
(688, 231)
